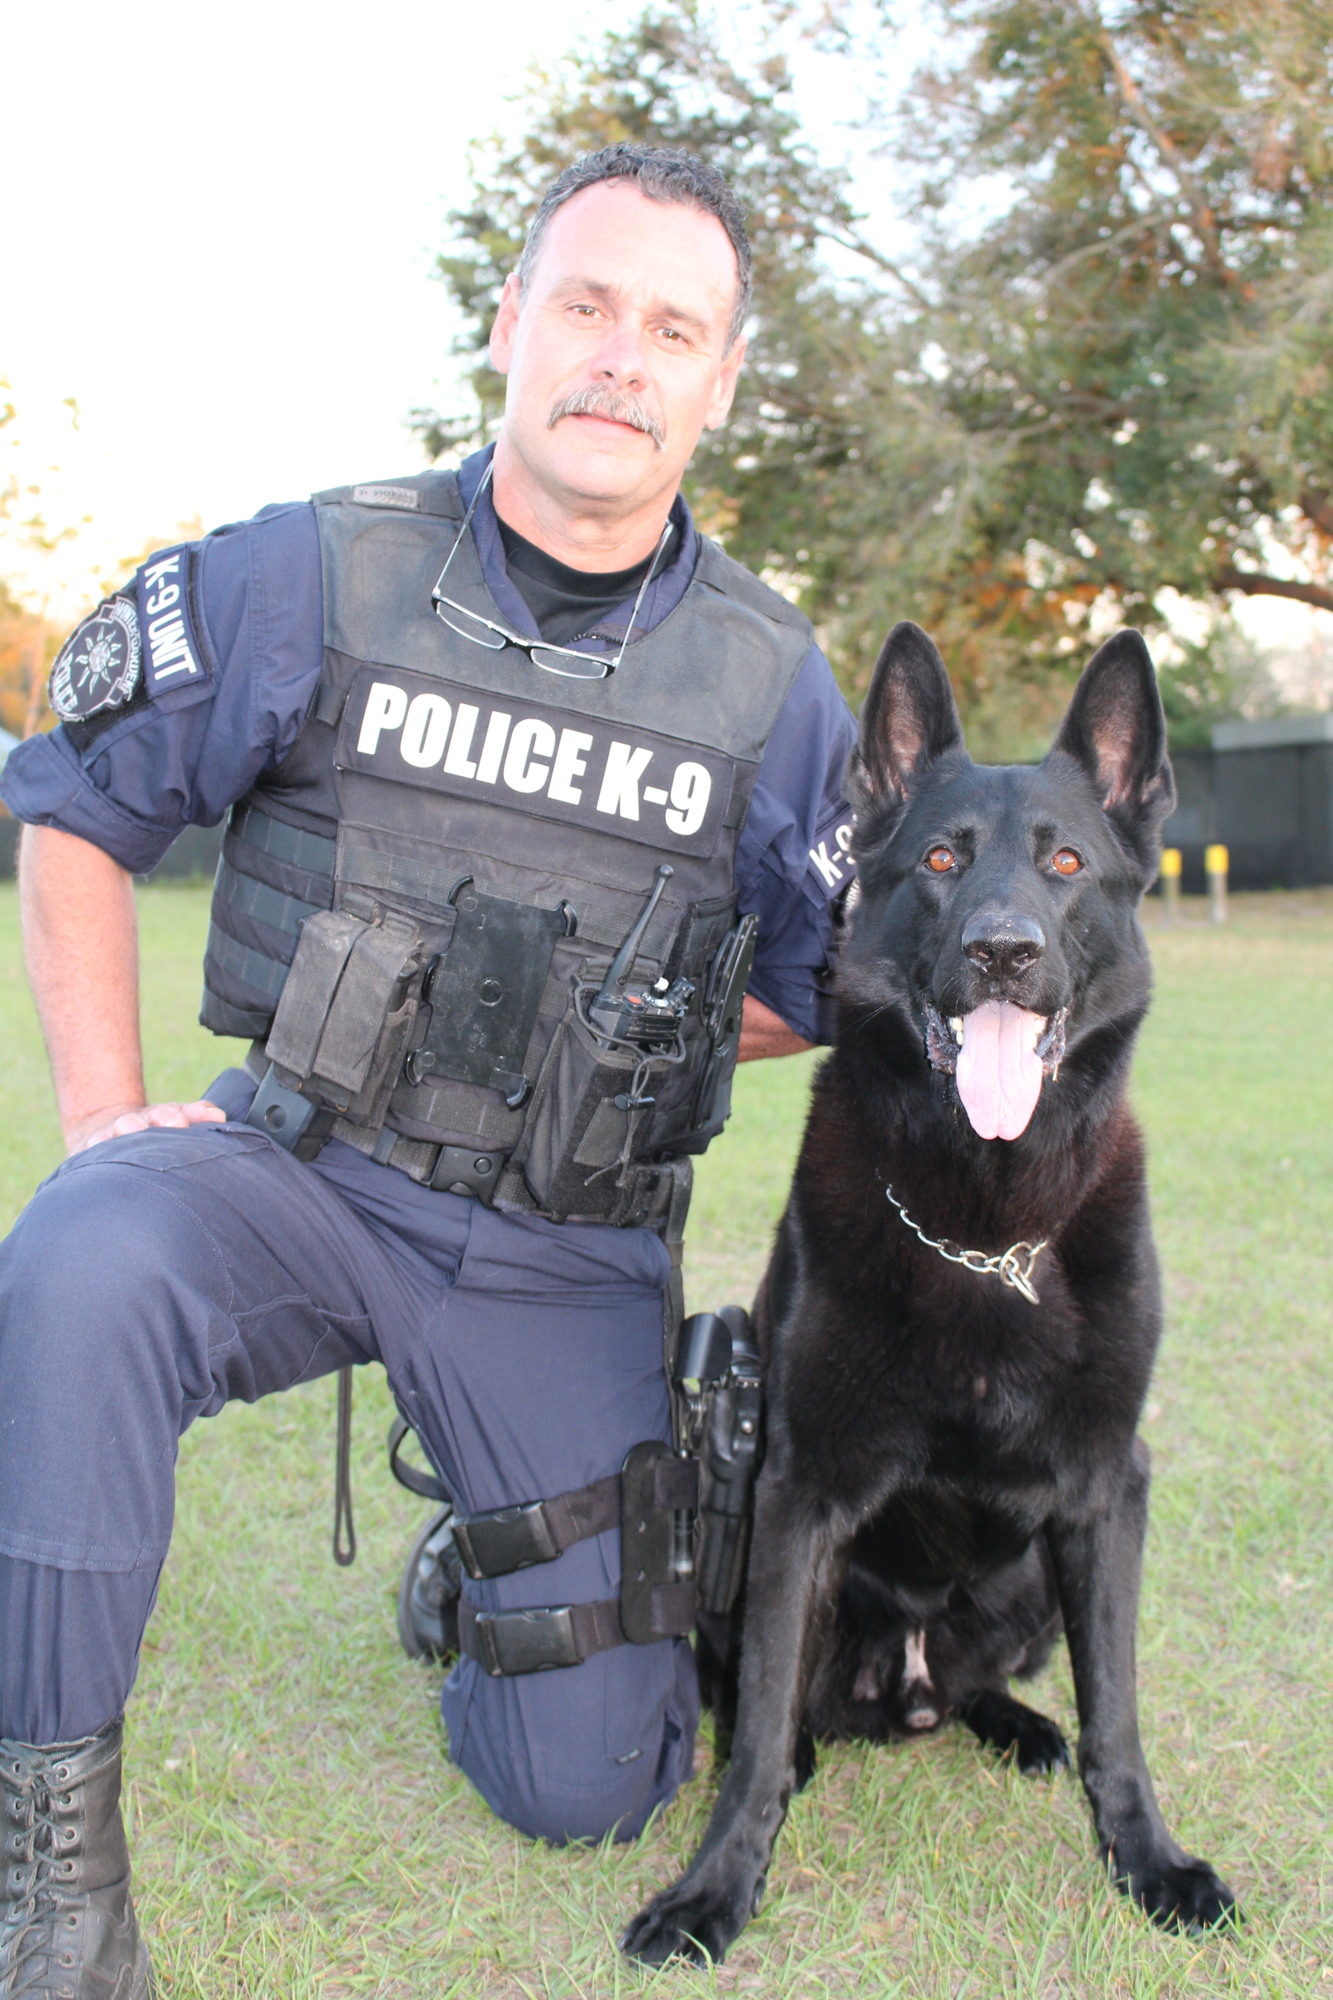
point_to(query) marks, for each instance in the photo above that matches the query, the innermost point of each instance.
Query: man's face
(628, 306)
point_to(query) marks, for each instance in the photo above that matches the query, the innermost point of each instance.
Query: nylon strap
(507, 1643)
(252, 968)
(253, 898)
(512, 1538)
(563, 1635)
(314, 852)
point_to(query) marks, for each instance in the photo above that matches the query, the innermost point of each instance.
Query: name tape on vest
(387, 496)
(418, 730)
(171, 654)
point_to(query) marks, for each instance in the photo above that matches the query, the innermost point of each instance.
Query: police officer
(508, 758)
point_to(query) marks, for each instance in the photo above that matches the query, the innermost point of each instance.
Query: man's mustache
(619, 405)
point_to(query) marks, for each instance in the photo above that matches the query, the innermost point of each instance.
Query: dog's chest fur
(897, 1371)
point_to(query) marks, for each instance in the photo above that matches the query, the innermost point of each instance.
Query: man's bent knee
(575, 1762)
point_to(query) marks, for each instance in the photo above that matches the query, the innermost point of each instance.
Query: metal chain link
(1012, 1267)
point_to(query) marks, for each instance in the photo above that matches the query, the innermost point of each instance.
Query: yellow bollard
(1216, 861)
(1170, 872)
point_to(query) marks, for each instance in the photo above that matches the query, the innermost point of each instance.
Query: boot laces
(29, 1942)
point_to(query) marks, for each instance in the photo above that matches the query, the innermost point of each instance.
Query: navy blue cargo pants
(153, 1278)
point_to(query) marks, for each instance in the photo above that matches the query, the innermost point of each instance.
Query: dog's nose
(1001, 945)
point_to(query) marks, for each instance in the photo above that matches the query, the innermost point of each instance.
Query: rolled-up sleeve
(793, 859)
(131, 782)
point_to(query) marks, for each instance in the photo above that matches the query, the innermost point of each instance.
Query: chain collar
(1013, 1266)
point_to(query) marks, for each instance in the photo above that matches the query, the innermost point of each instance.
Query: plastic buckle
(509, 1539)
(527, 1642)
(297, 1124)
(467, 1170)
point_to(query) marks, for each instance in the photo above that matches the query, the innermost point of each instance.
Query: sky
(218, 227)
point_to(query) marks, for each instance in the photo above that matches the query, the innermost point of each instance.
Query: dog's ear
(909, 718)
(1116, 729)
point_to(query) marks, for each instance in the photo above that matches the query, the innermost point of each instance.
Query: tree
(1144, 332)
(28, 639)
(1118, 384)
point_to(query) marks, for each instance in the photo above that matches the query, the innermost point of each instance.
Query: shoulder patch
(100, 664)
(172, 657)
(832, 863)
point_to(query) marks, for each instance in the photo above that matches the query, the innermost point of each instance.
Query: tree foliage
(28, 639)
(1118, 383)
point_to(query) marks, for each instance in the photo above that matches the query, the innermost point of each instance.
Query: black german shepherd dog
(963, 1306)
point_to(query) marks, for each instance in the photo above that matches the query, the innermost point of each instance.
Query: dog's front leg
(1098, 1561)
(796, 1567)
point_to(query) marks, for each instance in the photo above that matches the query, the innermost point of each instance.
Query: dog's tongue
(999, 1072)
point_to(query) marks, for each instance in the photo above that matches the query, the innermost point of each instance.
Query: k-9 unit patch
(99, 664)
(171, 652)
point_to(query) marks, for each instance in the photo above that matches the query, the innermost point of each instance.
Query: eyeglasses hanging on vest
(565, 660)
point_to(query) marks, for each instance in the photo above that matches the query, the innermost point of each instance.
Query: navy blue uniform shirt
(180, 751)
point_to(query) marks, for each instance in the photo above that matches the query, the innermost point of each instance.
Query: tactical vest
(415, 915)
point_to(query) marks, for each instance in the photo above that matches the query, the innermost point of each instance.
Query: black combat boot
(67, 1925)
(429, 1593)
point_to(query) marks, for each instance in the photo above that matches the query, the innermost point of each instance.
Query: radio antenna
(618, 972)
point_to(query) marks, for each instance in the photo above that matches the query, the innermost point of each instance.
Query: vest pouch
(347, 1010)
(591, 1118)
(485, 991)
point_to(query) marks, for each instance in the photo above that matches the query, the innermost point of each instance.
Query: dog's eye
(1066, 862)
(940, 860)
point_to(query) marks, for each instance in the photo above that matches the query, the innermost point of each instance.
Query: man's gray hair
(663, 173)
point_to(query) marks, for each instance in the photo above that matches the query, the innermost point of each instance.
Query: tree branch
(1256, 585)
(1318, 507)
(850, 239)
(1140, 226)
(1196, 200)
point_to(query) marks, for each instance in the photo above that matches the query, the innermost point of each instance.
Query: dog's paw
(688, 1923)
(1006, 1725)
(1039, 1746)
(1184, 1895)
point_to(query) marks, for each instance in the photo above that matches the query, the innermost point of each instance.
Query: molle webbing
(271, 876)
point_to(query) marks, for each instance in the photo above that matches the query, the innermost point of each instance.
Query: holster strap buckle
(513, 1538)
(505, 1643)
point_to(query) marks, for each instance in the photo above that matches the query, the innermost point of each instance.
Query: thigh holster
(652, 1499)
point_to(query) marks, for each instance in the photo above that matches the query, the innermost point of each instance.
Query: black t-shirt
(567, 602)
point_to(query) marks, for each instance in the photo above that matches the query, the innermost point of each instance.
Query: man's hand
(117, 1121)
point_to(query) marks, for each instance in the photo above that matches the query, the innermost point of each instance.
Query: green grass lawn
(298, 1832)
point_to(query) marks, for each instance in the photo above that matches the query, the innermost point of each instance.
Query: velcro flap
(326, 942)
(380, 959)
